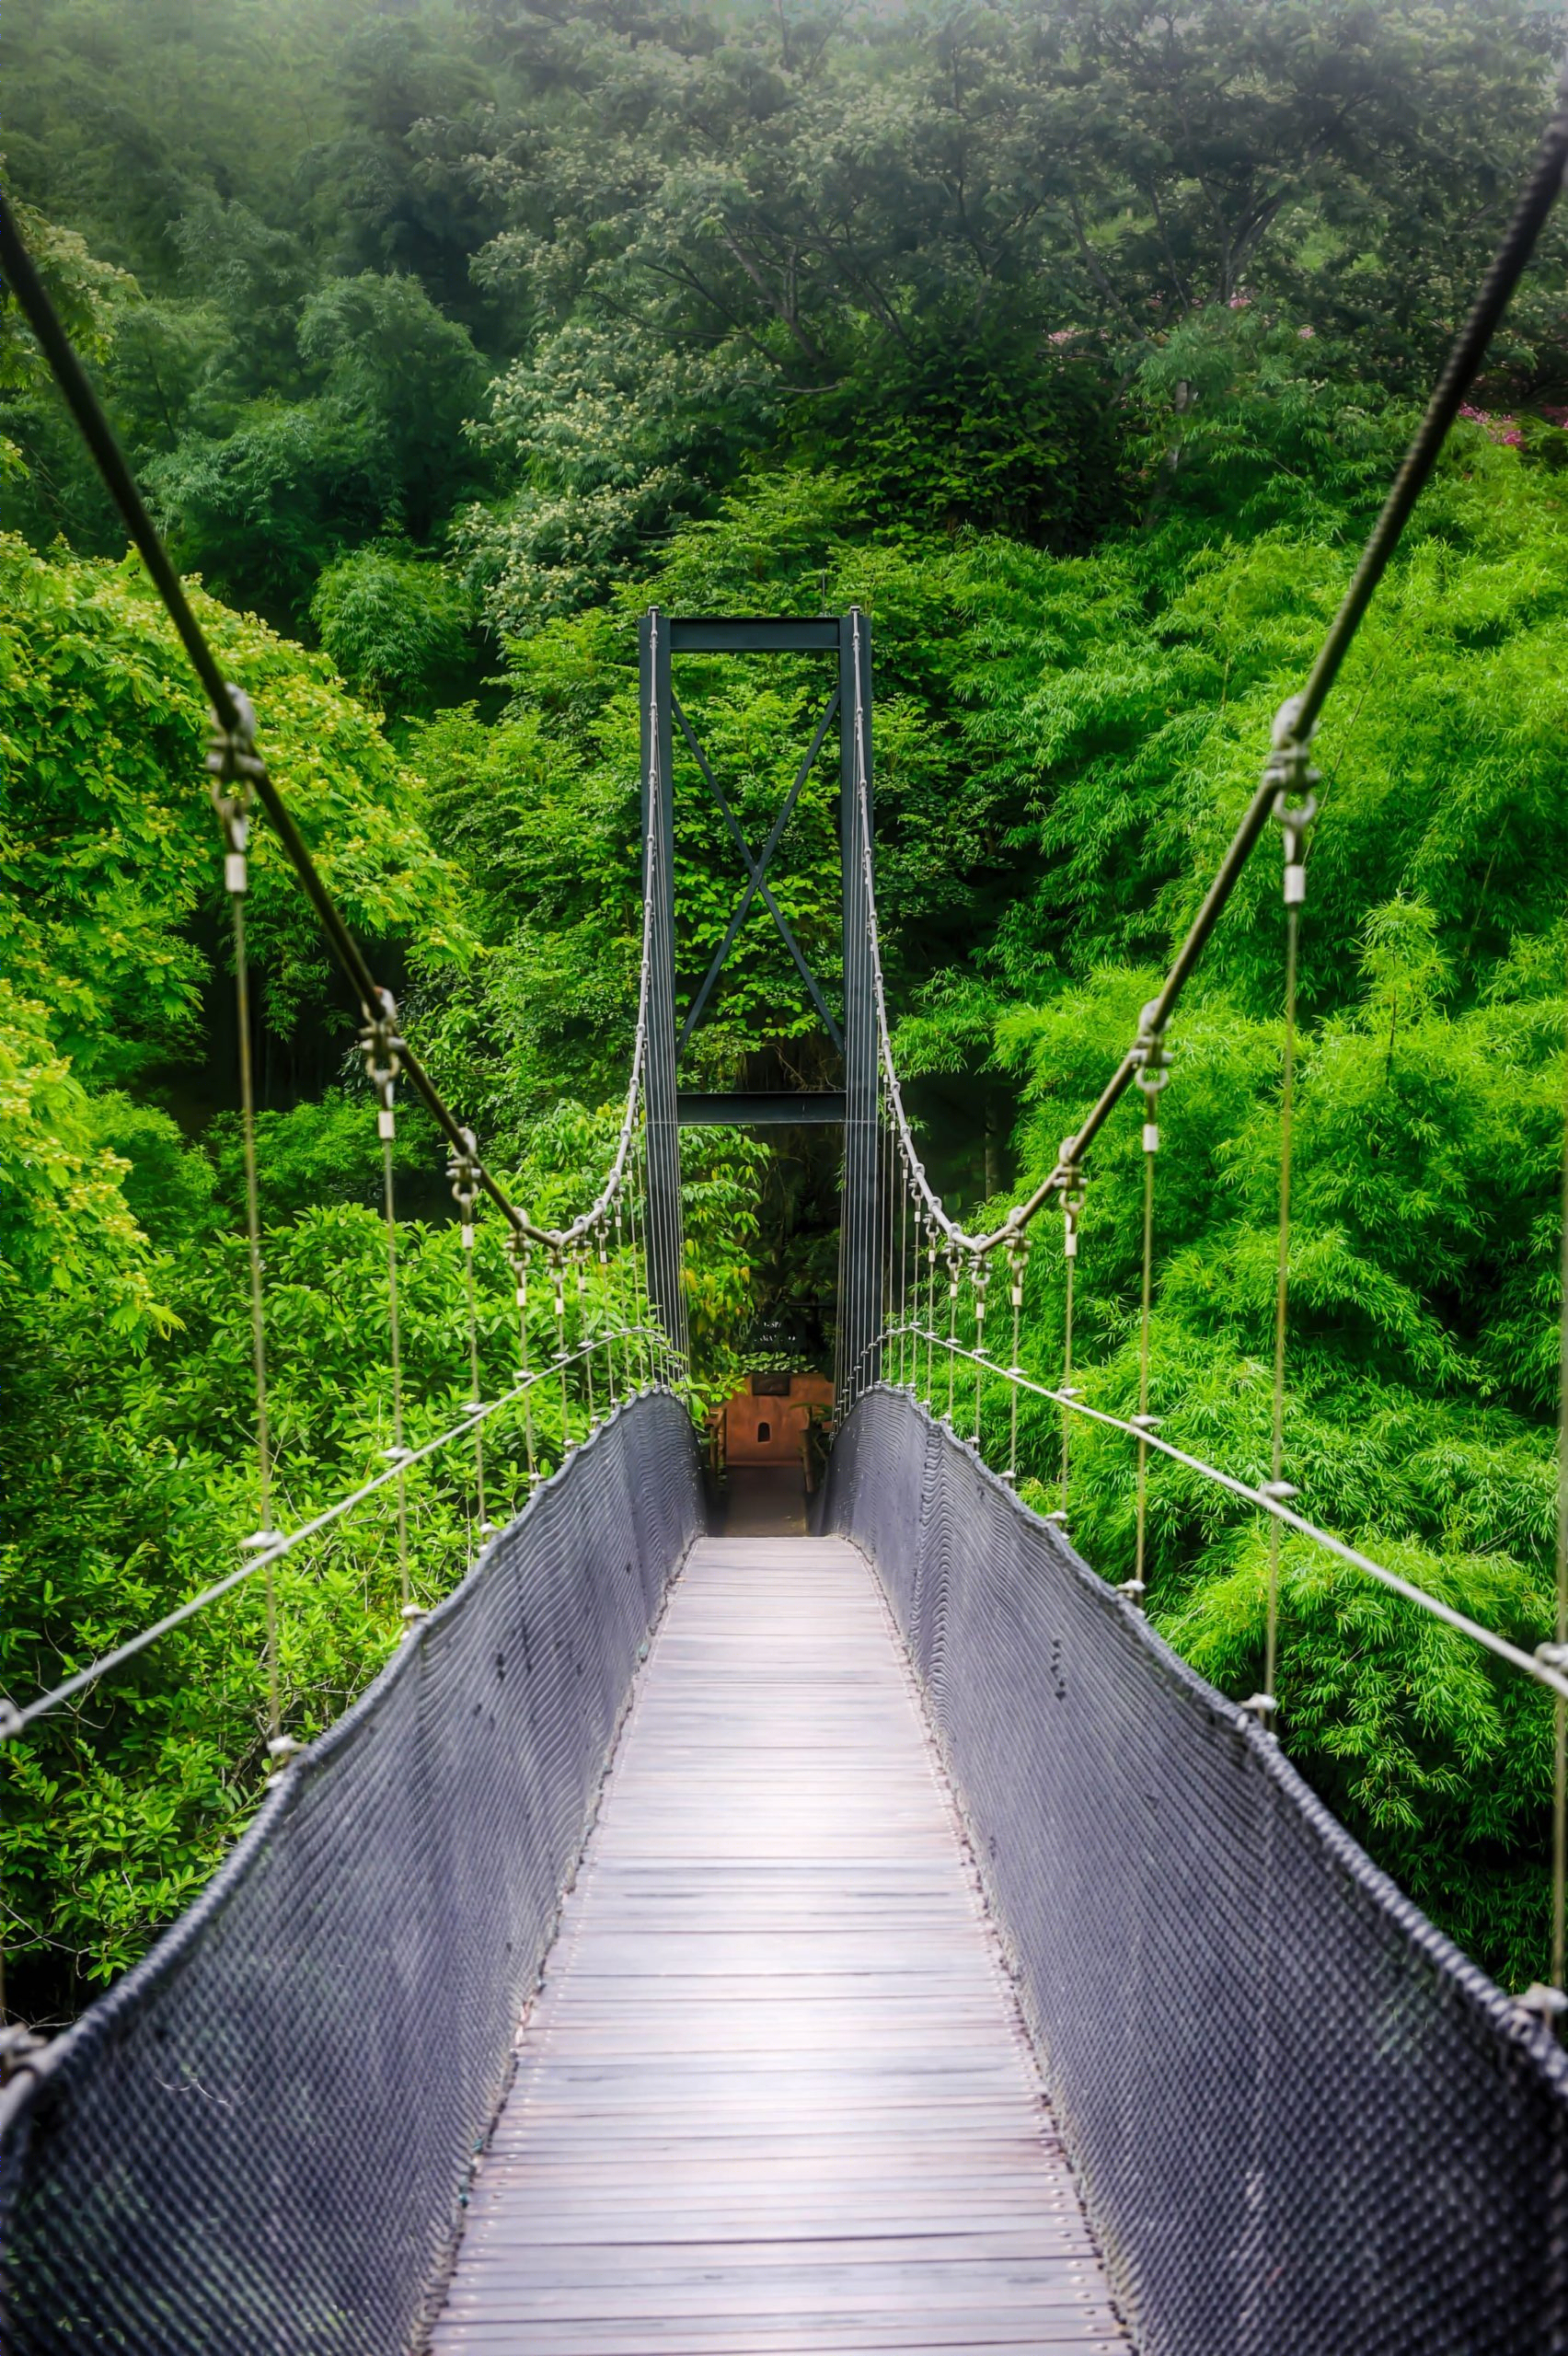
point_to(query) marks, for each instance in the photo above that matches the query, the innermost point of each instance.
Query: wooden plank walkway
(775, 2095)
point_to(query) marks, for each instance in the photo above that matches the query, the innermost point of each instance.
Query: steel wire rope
(1295, 820)
(1153, 1074)
(234, 769)
(903, 1274)
(606, 1303)
(657, 1215)
(1539, 1665)
(1018, 1268)
(1298, 717)
(884, 1208)
(14, 1718)
(232, 713)
(1072, 1215)
(665, 1209)
(1557, 1652)
(463, 1172)
(579, 1268)
(870, 1360)
(644, 1356)
(979, 1280)
(521, 1256)
(380, 1043)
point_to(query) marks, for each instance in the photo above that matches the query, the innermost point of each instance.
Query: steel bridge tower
(846, 640)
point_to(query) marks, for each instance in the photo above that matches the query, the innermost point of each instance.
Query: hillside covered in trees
(1078, 342)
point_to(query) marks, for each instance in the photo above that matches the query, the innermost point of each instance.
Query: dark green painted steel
(814, 634)
(848, 636)
(761, 1108)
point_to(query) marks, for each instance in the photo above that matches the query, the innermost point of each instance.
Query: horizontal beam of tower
(812, 634)
(760, 1108)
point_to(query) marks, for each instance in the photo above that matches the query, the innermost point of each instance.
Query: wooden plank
(774, 2097)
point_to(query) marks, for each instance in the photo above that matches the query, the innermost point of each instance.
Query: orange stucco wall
(768, 1430)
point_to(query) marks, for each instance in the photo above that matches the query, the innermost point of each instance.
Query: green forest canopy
(1076, 344)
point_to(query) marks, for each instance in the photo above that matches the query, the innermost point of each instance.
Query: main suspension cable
(234, 723)
(1298, 719)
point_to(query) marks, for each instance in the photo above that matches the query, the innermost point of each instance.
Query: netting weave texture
(1305, 2122)
(255, 2144)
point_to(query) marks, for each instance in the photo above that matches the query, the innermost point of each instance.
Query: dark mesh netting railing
(1304, 2123)
(257, 2143)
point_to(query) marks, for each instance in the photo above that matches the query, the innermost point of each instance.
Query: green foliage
(110, 852)
(396, 628)
(265, 506)
(1076, 345)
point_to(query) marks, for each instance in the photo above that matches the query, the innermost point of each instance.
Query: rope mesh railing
(1300, 2119)
(259, 2142)
(937, 1275)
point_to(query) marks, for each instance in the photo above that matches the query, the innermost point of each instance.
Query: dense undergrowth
(748, 313)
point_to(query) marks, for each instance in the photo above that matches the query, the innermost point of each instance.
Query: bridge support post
(666, 1246)
(860, 1300)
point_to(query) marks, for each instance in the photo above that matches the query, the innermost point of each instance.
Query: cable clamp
(1059, 1516)
(399, 1455)
(1547, 2005)
(381, 1046)
(281, 1751)
(1135, 1590)
(1263, 1707)
(1552, 1656)
(1145, 1423)
(19, 2049)
(1073, 1185)
(1290, 771)
(1280, 1491)
(463, 1172)
(233, 767)
(260, 1539)
(1152, 1062)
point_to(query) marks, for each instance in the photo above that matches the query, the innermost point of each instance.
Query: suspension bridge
(874, 1940)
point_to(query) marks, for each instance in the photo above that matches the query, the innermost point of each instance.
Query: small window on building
(765, 1431)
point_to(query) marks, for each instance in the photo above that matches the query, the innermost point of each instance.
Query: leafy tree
(396, 628)
(378, 445)
(1077, 344)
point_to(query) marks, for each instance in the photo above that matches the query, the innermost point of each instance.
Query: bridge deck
(775, 2095)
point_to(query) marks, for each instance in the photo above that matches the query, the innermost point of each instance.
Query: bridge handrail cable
(15, 1720)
